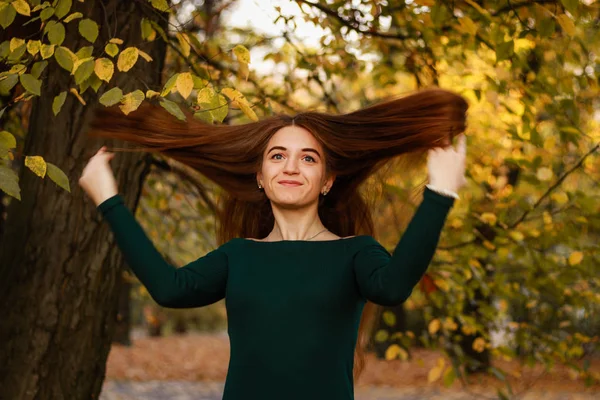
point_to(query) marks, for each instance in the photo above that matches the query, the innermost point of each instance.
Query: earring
(325, 192)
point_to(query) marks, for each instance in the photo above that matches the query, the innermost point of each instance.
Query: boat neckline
(305, 241)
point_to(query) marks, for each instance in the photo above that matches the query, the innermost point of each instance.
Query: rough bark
(58, 264)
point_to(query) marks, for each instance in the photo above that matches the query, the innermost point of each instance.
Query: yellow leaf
(479, 345)
(488, 245)
(206, 95)
(145, 55)
(242, 54)
(127, 59)
(547, 217)
(47, 50)
(566, 24)
(516, 235)
(483, 11)
(560, 197)
(395, 351)
(544, 174)
(33, 47)
(104, 69)
(434, 326)
(185, 84)
(443, 285)
(21, 7)
(151, 93)
(436, 372)
(131, 101)
(467, 25)
(575, 258)
(15, 43)
(116, 41)
(468, 329)
(246, 109)
(489, 218)
(184, 43)
(36, 164)
(449, 324)
(456, 223)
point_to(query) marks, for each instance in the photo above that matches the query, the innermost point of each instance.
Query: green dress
(293, 306)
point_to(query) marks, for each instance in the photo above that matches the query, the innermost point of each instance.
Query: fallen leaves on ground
(204, 357)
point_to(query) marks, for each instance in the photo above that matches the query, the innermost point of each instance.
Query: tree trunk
(58, 266)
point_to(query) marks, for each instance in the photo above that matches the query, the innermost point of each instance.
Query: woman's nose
(291, 165)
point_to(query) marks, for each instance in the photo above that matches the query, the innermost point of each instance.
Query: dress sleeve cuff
(110, 203)
(439, 198)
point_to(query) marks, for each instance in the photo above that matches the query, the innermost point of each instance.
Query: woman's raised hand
(97, 178)
(447, 165)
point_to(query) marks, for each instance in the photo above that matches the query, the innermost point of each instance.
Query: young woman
(297, 264)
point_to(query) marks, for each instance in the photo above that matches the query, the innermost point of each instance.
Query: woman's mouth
(290, 184)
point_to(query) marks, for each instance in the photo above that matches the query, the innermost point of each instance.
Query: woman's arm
(196, 284)
(389, 279)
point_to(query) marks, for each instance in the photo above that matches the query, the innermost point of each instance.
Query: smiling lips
(290, 183)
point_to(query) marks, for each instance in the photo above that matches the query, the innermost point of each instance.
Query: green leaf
(546, 27)
(31, 84)
(38, 68)
(56, 34)
(172, 108)
(9, 182)
(389, 318)
(111, 49)
(58, 102)
(8, 83)
(46, 13)
(95, 82)
(7, 140)
(85, 52)
(112, 97)
(146, 28)
(65, 58)
(438, 13)
(88, 29)
(58, 176)
(449, 377)
(7, 15)
(84, 71)
(505, 50)
(62, 8)
(169, 85)
(160, 5)
(570, 5)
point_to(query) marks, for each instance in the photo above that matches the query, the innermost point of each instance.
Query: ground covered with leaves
(204, 357)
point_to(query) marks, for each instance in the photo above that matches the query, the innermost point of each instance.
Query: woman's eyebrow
(283, 148)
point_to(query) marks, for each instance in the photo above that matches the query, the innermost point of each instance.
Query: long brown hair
(356, 145)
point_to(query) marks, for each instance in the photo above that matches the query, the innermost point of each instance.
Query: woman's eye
(278, 154)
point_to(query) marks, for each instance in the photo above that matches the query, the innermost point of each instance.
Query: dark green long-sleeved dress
(293, 306)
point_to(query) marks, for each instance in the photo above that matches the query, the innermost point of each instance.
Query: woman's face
(293, 154)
